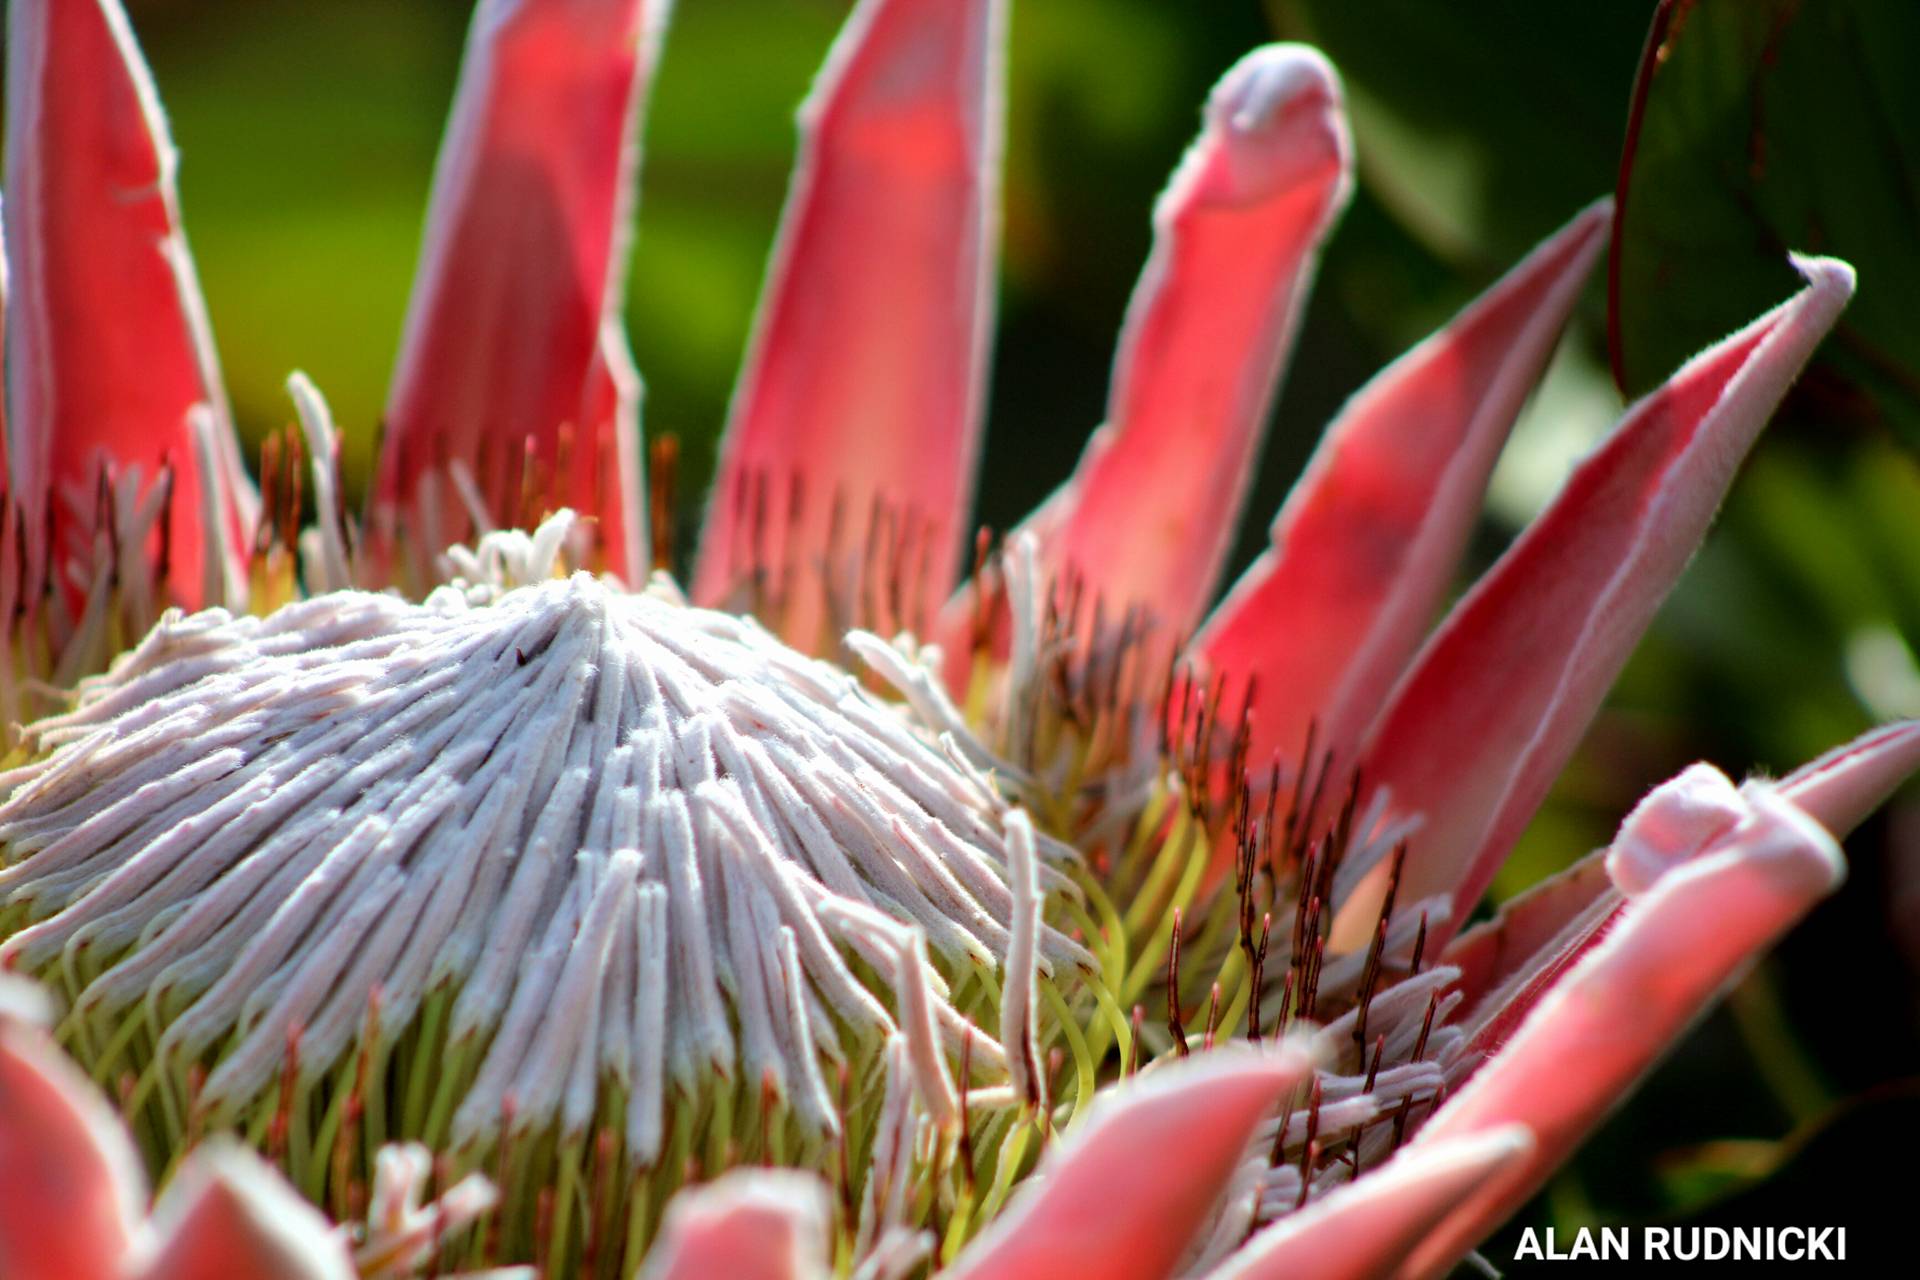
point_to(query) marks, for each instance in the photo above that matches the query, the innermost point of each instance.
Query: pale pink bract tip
(1480, 725)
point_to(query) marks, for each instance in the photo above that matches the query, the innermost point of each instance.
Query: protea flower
(511, 851)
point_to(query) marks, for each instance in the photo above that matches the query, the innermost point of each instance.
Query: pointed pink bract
(1363, 1228)
(1845, 785)
(751, 1224)
(1547, 932)
(109, 348)
(1532, 931)
(1124, 1197)
(1479, 727)
(1514, 960)
(856, 419)
(1365, 548)
(71, 1190)
(228, 1213)
(1150, 514)
(514, 362)
(1602, 1026)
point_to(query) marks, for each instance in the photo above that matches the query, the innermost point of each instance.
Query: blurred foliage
(1481, 126)
(308, 135)
(1772, 125)
(307, 139)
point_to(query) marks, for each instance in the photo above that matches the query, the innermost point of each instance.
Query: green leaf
(1767, 126)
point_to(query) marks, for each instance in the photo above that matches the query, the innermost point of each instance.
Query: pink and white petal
(1367, 542)
(108, 345)
(1670, 953)
(1673, 824)
(1474, 734)
(1365, 1228)
(1510, 962)
(751, 1224)
(1845, 785)
(1530, 928)
(71, 1188)
(513, 354)
(1150, 513)
(228, 1213)
(1125, 1196)
(863, 388)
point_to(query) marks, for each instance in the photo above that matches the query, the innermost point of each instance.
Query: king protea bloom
(837, 914)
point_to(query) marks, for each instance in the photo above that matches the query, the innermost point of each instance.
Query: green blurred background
(308, 134)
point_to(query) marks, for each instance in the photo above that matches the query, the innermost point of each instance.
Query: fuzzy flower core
(592, 889)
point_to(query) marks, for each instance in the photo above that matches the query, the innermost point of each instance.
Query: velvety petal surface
(1124, 1197)
(1544, 934)
(1528, 926)
(228, 1213)
(514, 362)
(1845, 785)
(1510, 962)
(1365, 1228)
(71, 1188)
(108, 344)
(1364, 549)
(752, 1224)
(851, 442)
(1149, 515)
(1671, 951)
(1477, 730)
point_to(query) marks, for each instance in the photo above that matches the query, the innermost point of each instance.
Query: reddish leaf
(1477, 730)
(514, 362)
(108, 345)
(851, 443)
(1365, 548)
